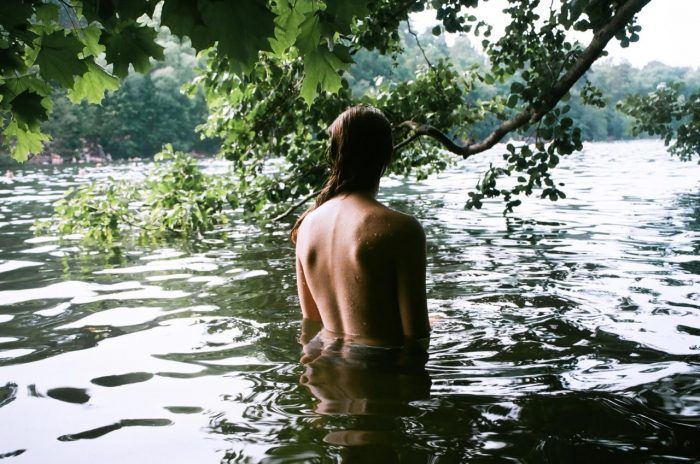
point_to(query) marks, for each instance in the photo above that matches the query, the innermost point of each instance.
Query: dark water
(569, 333)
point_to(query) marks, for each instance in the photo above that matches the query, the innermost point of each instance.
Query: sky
(670, 32)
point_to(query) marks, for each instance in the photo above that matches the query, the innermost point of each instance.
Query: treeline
(373, 70)
(150, 110)
(146, 112)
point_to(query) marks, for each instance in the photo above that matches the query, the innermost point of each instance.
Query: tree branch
(532, 114)
(420, 47)
(294, 206)
(426, 129)
(400, 145)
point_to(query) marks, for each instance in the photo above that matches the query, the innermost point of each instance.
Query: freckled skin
(361, 271)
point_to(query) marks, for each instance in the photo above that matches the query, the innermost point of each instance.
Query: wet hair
(359, 152)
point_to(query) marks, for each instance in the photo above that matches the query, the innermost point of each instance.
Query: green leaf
(24, 141)
(132, 45)
(58, 58)
(133, 9)
(47, 13)
(344, 11)
(92, 85)
(14, 15)
(289, 18)
(512, 100)
(184, 18)
(321, 68)
(15, 86)
(242, 28)
(102, 10)
(180, 16)
(343, 53)
(90, 36)
(11, 62)
(309, 35)
(27, 108)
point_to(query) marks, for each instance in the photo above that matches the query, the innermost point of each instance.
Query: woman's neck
(369, 192)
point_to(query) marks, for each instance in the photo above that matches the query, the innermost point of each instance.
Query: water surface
(570, 332)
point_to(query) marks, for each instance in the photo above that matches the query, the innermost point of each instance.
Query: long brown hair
(359, 152)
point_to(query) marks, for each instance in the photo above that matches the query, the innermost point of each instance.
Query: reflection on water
(570, 332)
(358, 380)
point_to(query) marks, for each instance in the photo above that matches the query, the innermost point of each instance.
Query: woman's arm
(308, 306)
(410, 272)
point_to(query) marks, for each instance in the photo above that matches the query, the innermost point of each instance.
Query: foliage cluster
(276, 74)
(85, 46)
(47, 44)
(261, 123)
(149, 110)
(136, 120)
(176, 197)
(670, 114)
(598, 120)
(261, 116)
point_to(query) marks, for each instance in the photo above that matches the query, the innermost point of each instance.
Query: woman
(361, 265)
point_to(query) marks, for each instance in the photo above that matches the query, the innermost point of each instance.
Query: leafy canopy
(82, 46)
(276, 77)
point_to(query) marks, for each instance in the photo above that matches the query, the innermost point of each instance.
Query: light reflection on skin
(361, 380)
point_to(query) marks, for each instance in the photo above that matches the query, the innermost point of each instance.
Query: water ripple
(567, 331)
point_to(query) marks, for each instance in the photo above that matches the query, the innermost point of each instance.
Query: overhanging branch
(294, 206)
(426, 129)
(532, 114)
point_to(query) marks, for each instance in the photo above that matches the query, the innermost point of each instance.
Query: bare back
(361, 270)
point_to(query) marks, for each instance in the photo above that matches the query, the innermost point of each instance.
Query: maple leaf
(92, 85)
(91, 38)
(344, 11)
(24, 141)
(58, 58)
(243, 28)
(132, 45)
(287, 23)
(27, 108)
(183, 18)
(321, 68)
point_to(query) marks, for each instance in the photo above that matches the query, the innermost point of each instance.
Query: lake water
(570, 332)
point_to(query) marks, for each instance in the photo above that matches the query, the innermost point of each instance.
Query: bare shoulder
(400, 226)
(310, 218)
